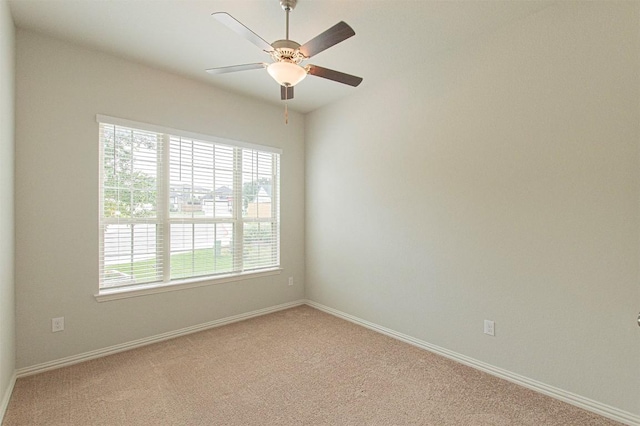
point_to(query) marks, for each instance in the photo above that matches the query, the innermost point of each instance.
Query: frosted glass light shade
(286, 73)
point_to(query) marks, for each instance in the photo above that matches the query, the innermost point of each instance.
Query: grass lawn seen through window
(186, 264)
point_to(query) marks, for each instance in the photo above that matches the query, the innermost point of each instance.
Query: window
(177, 206)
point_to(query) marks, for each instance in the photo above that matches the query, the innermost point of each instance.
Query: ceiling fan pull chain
(286, 114)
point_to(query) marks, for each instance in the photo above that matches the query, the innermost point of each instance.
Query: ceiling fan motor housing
(287, 50)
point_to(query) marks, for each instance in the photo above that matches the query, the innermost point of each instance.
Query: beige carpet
(298, 367)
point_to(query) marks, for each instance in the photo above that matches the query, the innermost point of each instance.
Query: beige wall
(499, 181)
(7, 251)
(60, 89)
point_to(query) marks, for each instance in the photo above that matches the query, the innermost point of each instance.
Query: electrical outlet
(489, 328)
(57, 324)
(290, 280)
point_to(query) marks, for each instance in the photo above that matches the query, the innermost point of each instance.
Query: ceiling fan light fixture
(286, 73)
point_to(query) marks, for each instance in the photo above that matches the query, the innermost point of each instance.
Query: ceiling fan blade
(235, 25)
(286, 92)
(334, 35)
(338, 76)
(234, 68)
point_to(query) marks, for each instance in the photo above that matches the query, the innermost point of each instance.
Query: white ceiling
(181, 36)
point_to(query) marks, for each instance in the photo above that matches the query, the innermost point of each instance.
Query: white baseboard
(571, 398)
(86, 356)
(6, 397)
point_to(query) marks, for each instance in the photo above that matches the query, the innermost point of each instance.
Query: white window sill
(145, 289)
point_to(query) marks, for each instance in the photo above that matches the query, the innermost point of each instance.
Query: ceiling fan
(288, 55)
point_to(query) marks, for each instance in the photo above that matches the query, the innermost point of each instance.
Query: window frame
(163, 219)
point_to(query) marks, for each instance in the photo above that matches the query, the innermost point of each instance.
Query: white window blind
(175, 207)
(260, 216)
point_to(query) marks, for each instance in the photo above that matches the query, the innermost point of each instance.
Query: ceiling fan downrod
(288, 6)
